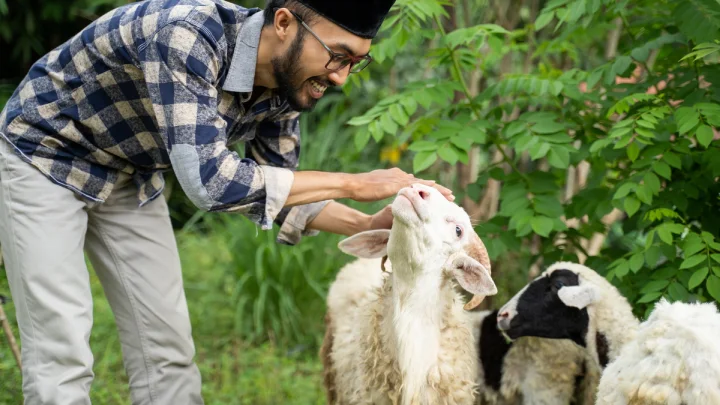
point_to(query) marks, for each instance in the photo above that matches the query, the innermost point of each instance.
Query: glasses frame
(335, 56)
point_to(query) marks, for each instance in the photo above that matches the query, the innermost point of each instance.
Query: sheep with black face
(673, 358)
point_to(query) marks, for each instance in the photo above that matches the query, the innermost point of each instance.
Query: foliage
(644, 120)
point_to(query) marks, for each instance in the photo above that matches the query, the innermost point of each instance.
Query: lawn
(234, 372)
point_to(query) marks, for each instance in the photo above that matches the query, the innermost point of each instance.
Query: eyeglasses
(338, 61)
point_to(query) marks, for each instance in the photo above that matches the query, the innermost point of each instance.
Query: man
(153, 86)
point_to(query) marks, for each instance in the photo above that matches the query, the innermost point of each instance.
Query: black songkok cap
(361, 17)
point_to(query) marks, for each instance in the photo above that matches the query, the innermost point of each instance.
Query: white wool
(673, 358)
(539, 371)
(612, 314)
(367, 328)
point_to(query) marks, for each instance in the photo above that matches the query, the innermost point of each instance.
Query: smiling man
(150, 87)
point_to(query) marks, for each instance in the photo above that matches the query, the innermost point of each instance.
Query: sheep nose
(424, 194)
(503, 320)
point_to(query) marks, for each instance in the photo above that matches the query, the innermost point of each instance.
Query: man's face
(300, 70)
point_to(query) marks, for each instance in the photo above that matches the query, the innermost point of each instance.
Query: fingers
(443, 190)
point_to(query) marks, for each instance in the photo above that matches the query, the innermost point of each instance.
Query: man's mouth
(317, 89)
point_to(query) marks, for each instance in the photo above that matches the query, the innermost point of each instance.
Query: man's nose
(339, 77)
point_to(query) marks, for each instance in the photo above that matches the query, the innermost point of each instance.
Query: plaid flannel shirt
(160, 85)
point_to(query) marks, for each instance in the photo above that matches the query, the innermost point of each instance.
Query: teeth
(317, 86)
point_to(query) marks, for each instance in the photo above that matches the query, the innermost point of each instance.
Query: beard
(286, 70)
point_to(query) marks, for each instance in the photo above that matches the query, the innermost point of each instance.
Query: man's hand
(384, 183)
(382, 219)
(312, 186)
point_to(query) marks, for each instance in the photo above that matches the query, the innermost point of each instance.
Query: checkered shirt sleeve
(181, 64)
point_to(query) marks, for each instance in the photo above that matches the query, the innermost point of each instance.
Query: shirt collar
(241, 73)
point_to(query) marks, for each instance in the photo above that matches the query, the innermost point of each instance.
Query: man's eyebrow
(346, 48)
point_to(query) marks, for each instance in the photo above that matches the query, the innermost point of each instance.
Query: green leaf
(692, 261)
(547, 127)
(543, 19)
(600, 144)
(636, 262)
(673, 160)
(633, 151)
(361, 120)
(361, 139)
(649, 297)
(622, 269)
(652, 255)
(622, 63)
(559, 157)
(448, 154)
(716, 270)
(692, 245)
(643, 194)
(542, 225)
(632, 205)
(664, 234)
(708, 237)
(475, 135)
(423, 146)
(526, 141)
(713, 287)
(410, 105)
(677, 291)
(398, 114)
(388, 124)
(652, 182)
(462, 143)
(594, 77)
(423, 160)
(624, 190)
(539, 150)
(687, 121)
(655, 285)
(662, 169)
(716, 257)
(704, 135)
(698, 277)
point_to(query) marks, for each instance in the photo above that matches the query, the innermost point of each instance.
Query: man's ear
(367, 244)
(472, 276)
(579, 296)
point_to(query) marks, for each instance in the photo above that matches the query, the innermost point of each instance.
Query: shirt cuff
(278, 181)
(295, 225)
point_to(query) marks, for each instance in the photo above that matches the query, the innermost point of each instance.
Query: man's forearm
(313, 186)
(340, 219)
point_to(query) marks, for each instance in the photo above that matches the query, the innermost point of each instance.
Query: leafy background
(580, 130)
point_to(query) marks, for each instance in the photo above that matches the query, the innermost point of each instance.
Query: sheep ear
(367, 244)
(473, 277)
(578, 296)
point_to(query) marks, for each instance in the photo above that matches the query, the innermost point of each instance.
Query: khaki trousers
(44, 229)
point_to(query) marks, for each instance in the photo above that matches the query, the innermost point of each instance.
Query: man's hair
(306, 14)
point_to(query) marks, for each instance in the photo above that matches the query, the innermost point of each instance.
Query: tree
(575, 118)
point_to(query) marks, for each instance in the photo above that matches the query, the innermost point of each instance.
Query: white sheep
(403, 336)
(530, 370)
(673, 358)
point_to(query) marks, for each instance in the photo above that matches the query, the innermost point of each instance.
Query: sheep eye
(458, 231)
(558, 284)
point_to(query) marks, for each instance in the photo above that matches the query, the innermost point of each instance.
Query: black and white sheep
(673, 358)
(530, 370)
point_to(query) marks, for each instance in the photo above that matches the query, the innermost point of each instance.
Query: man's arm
(340, 219)
(181, 64)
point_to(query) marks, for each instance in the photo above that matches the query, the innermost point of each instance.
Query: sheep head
(429, 234)
(554, 305)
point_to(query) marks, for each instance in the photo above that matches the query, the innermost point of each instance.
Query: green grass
(233, 371)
